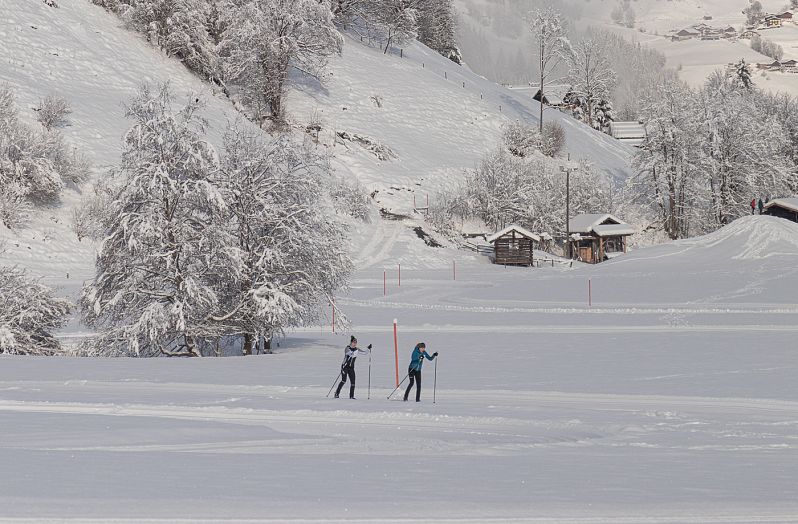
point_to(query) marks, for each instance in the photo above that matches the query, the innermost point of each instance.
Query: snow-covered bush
(53, 111)
(34, 165)
(552, 141)
(350, 198)
(520, 139)
(29, 313)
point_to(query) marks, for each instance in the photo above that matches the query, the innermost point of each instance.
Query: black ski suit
(348, 370)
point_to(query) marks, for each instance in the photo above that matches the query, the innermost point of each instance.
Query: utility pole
(567, 170)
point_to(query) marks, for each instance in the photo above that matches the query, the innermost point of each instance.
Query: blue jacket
(417, 360)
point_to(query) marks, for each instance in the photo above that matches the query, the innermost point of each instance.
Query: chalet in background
(513, 246)
(783, 208)
(598, 237)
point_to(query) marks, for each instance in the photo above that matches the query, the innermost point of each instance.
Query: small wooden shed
(783, 208)
(513, 246)
(598, 237)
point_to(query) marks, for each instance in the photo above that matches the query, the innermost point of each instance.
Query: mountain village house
(783, 207)
(513, 246)
(597, 237)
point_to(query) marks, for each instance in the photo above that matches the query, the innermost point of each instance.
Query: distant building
(772, 21)
(553, 95)
(598, 237)
(783, 208)
(749, 33)
(631, 133)
(787, 16)
(685, 34)
(513, 246)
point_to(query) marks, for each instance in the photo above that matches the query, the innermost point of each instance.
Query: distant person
(348, 366)
(753, 206)
(761, 206)
(414, 370)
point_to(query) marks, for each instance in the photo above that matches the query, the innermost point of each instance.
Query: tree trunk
(249, 340)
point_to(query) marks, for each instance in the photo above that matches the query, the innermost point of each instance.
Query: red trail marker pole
(396, 351)
(589, 293)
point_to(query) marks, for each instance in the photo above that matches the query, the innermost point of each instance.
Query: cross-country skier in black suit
(348, 366)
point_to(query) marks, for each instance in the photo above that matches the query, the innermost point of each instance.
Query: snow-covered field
(671, 399)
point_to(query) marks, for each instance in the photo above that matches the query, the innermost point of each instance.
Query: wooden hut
(782, 207)
(598, 237)
(513, 246)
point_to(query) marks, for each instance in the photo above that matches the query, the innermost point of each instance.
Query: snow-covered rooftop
(518, 229)
(600, 224)
(786, 203)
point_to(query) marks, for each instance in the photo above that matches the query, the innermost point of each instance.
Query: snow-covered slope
(434, 125)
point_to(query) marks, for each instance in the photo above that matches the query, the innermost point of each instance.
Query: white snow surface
(658, 387)
(671, 398)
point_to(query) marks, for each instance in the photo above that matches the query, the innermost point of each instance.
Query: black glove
(435, 354)
(369, 346)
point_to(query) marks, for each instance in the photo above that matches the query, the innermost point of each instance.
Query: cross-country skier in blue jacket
(414, 370)
(348, 366)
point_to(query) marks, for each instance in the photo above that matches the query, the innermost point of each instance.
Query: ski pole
(399, 386)
(331, 387)
(369, 394)
(435, 381)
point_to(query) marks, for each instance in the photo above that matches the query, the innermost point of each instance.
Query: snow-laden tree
(397, 20)
(29, 313)
(590, 74)
(437, 27)
(164, 242)
(531, 191)
(182, 28)
(293, 250)
(266, 39)
(669, 177)
(743, 151)
(549, 35)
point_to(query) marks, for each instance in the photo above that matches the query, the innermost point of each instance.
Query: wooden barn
(513, 246)
(598, 237)
(783, 208)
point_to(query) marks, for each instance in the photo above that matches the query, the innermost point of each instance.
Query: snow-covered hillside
(434, 125)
